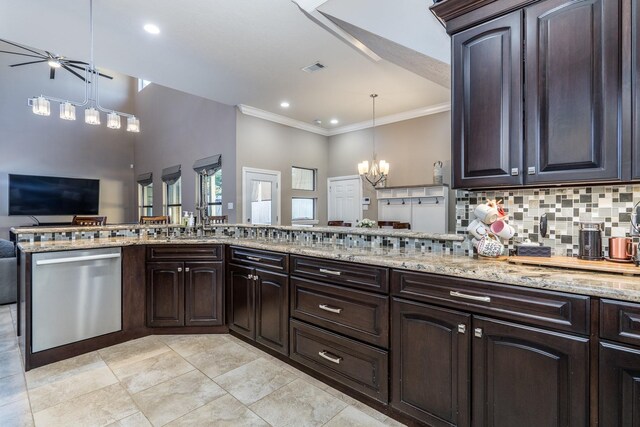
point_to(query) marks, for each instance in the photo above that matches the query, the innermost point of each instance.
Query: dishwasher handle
(76, 259)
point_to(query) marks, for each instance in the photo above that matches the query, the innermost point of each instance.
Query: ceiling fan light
(133, 124)
(91, 116)
(54, 64)
(41, 106)
(67, 111)
(113, 121)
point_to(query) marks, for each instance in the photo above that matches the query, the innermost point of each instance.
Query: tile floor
(172, 380)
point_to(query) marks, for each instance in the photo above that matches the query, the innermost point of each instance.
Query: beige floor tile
(151, 371)
(68, 388)
(99, 408)
(225, 411)
(253, 381)
(8, 342)
(298, 404)
(136, 420)
(130, 352)
(12, 388)
(393, 423)
(222, 359)
(174, 398)
(10, 363)
(63, 369)
(352, 417)
(187, 345)
(16, 414)
(342, 396)
(369, 411)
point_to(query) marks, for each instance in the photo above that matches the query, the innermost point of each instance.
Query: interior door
(261, 200)
(345, 199)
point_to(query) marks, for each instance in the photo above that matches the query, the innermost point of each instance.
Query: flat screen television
(47, 195)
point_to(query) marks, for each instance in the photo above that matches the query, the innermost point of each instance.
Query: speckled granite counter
(594, 284)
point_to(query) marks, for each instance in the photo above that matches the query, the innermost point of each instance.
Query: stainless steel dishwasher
(75, 295)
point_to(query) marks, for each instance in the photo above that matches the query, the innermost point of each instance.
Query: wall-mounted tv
(47, 195)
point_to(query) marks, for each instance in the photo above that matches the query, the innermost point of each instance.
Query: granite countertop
(573, 281)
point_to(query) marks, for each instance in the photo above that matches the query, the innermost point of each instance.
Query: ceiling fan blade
(73, 72)
(23, 54)
(82, 68)
(105, 76)
(68, 61)
(52, 73)
(21, 47)
(27, 63)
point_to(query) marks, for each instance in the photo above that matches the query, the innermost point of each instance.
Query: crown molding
(380, 121)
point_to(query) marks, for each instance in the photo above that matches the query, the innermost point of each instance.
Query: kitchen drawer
(620, 321)
(342, 273)
(184, 252)
(256, 258)
(566, 312)
(356, 365)
(358, 314)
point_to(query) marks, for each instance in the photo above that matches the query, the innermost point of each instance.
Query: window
(303, 209)
(173, 197)
(145, 199)
(142, 84)
(211, 189)
(303, 178)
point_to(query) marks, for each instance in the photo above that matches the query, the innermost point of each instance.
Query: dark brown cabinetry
(182, 292)
(635, 82)
(487, 104)
(619, 385)
(258, 303)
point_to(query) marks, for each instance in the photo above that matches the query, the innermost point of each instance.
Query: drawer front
(256, 258)
(185, 252)
(342, 273)
(356, 365)
(620, 321)
(566, 312)
(358, 314)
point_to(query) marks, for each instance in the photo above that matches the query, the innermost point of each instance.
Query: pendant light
(374, 172)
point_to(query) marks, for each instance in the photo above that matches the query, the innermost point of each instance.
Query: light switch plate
(230, 205)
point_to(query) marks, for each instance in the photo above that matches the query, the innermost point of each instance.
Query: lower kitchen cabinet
(619, 385)
(241, 307)
(165, 294)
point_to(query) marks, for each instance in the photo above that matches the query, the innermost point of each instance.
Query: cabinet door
(241, 302)
(572, 90)
(635, 76)
(619, 385)
(272, 310)
(165, 294)
(430, 363)
(204, 294)
(524, 376)
(487, 104)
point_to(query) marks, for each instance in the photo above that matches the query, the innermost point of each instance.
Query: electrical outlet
(230, 206)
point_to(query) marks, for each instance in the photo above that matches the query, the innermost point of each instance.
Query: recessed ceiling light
(152, 29)
(284, 104)
(317, 121)
(334, 121)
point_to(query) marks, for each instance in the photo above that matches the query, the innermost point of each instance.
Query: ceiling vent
(313, 68)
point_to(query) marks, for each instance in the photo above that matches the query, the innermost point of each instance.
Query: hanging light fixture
(41, 104)
(375, 172)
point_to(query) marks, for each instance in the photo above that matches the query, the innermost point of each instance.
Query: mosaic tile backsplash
(565, 208)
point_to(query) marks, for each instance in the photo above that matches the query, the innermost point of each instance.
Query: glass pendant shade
(67, 111)
(133, 125)
(113, 121)
(41, 106)
(375, 172)
(91, 116)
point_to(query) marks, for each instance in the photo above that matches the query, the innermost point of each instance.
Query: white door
(260, 196)
(345, 199)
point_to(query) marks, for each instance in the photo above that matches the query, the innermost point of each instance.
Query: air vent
(313, 68)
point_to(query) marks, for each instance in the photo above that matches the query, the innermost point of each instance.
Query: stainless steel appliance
(590, 240)
(75, 295)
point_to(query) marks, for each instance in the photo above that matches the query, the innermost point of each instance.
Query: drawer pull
(254, 258)
(466, 296)
(335, 273)
(328, 308)
(330, 357)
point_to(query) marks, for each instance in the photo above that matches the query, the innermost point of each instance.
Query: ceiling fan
(54, 61)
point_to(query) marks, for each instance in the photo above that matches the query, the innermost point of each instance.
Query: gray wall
(411, 147)
(179, 128)
(36, 145)
(263, 144)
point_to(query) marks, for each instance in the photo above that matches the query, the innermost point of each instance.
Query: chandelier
(375, 172)
(41, 105)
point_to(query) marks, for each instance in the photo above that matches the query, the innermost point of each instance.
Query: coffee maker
(590, 240)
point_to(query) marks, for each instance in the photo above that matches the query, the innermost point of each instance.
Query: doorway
(345, 199)
(260, 196)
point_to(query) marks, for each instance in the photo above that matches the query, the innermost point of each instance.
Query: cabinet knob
(462, 328)
(478, 332)
(186, 269)
(179, 269)
(531, 170)
(515, 171)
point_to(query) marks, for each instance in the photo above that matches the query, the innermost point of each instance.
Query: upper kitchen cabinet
(487, 104)
(572, 91)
